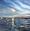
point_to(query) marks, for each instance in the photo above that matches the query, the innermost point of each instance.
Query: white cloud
(24, 6)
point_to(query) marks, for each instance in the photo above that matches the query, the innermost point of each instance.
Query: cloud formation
(22, 7)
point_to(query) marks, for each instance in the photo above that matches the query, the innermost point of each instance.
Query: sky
(14, 7)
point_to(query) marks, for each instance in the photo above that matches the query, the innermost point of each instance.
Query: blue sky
(22, 7)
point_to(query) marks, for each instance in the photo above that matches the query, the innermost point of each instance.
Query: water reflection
(22, 24)
(6, 24)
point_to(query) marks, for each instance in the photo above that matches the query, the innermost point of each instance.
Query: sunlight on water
(6, 24)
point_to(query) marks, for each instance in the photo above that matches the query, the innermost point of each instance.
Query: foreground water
(6, 25)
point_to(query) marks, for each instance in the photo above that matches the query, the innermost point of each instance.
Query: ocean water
(6, 25)
(22, 22)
